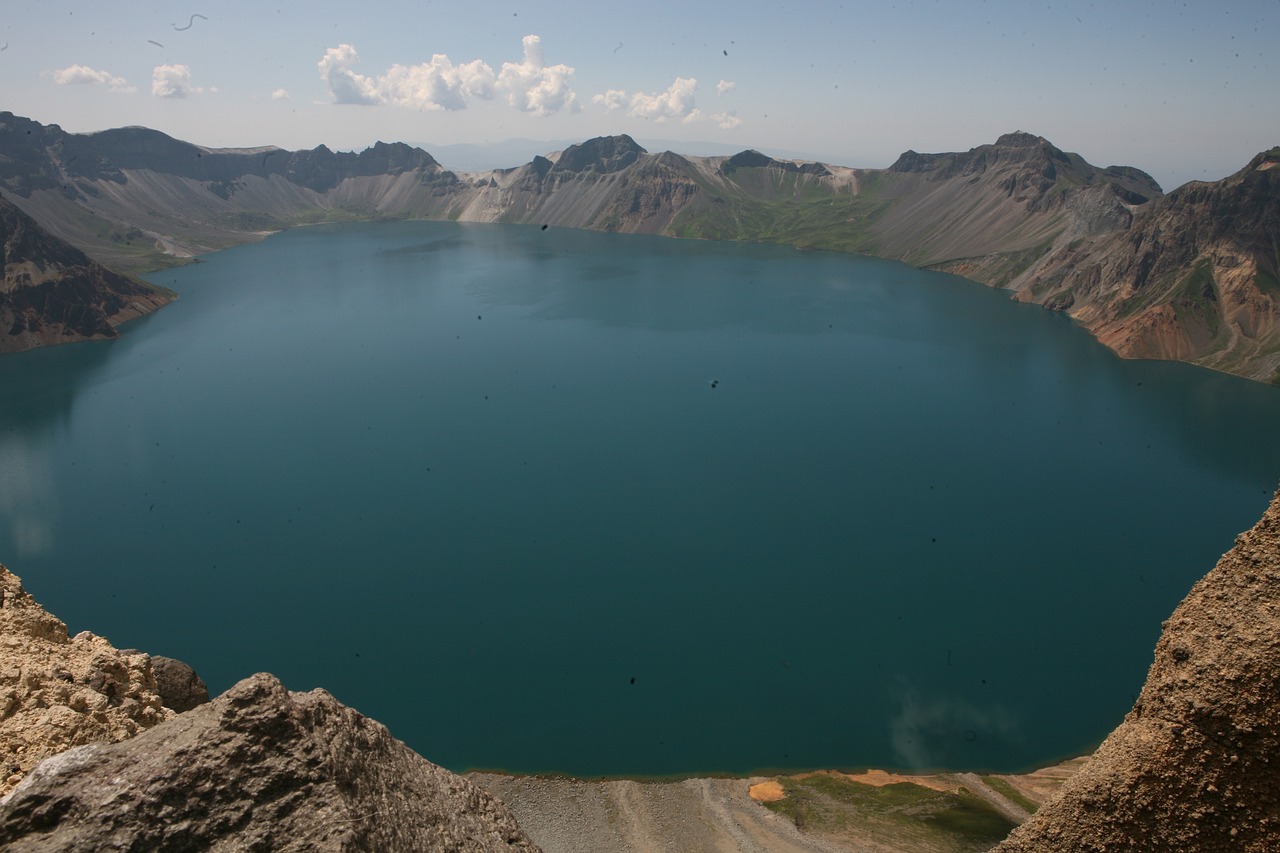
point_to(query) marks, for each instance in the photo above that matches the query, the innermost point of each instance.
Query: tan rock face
(57, 692)
(1195, 766)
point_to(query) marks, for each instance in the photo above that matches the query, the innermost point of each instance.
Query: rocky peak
(603, 154)
(749, 159)
(1022, 139)
(752, 159)
(392, 159)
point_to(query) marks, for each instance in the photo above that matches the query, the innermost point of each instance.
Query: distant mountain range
(1193, 275)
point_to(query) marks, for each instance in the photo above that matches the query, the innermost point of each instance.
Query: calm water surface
(602, 504)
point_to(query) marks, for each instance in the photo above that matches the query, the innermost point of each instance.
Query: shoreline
(817, 811)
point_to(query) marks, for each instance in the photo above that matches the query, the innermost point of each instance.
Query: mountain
(1190, 276)
(50, 292)
(1192, 766)
(1194, 275)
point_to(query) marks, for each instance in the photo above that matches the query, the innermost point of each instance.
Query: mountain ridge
(1018, 214)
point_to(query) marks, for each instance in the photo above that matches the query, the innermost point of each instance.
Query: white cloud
(613, 99)
(535, 87)
(280, 95)
(436, 85)
(531, 85)
(346, 86)
(676, 102)
(726, 121)
(74, 75)
(173, 81)
(724, 86)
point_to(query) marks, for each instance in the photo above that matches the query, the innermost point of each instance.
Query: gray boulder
(258, 768)
(179, 687)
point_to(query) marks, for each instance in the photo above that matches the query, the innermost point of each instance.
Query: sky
(1182, 90)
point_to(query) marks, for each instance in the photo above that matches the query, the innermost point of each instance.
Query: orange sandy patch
(879, 778)
(766, 792)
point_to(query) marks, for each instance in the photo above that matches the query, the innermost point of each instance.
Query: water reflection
(28, 495)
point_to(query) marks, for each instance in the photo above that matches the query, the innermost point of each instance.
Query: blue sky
(1183, 90)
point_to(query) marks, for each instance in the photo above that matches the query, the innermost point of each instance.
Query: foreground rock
(258, 768)
(1194, 766)
(57, 692)
(179, 686)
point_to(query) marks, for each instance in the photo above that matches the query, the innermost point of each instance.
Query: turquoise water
(604, 504)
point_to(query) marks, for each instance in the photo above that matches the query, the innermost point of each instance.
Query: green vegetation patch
(806, 220)
(1006, 790)
(1266, 282)
(932, 820)
(1195, 300)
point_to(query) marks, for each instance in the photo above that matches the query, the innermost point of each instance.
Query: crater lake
(599, 504)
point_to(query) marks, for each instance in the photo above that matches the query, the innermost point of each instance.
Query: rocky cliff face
(50, 292)
(1194, 766)
(1194, 276)
(259, 768)
(57, 692)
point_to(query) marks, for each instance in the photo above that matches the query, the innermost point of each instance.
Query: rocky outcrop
(57, 692)
(259, 768)
(1193, 768)
(752, 159)
(603, 154)
(50, 292)
(179, 687)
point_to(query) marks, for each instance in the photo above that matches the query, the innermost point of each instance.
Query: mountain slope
(50, 292)
(1195, 276)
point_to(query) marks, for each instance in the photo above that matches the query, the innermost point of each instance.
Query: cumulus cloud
(74, 75)
(172, 81)
(676, 102)
(346, 86)
(531, 85)
(436, 85)
(280, 95)
(613, 99)
(726, 121)
(724, 86)
(535, 87)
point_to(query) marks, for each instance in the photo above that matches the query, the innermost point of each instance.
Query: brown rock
(259, 768)
(1195, 766)
(57, 692)
(179, 686)
(52, 293)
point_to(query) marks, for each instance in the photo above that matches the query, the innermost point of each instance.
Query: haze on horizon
(1184, 92)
